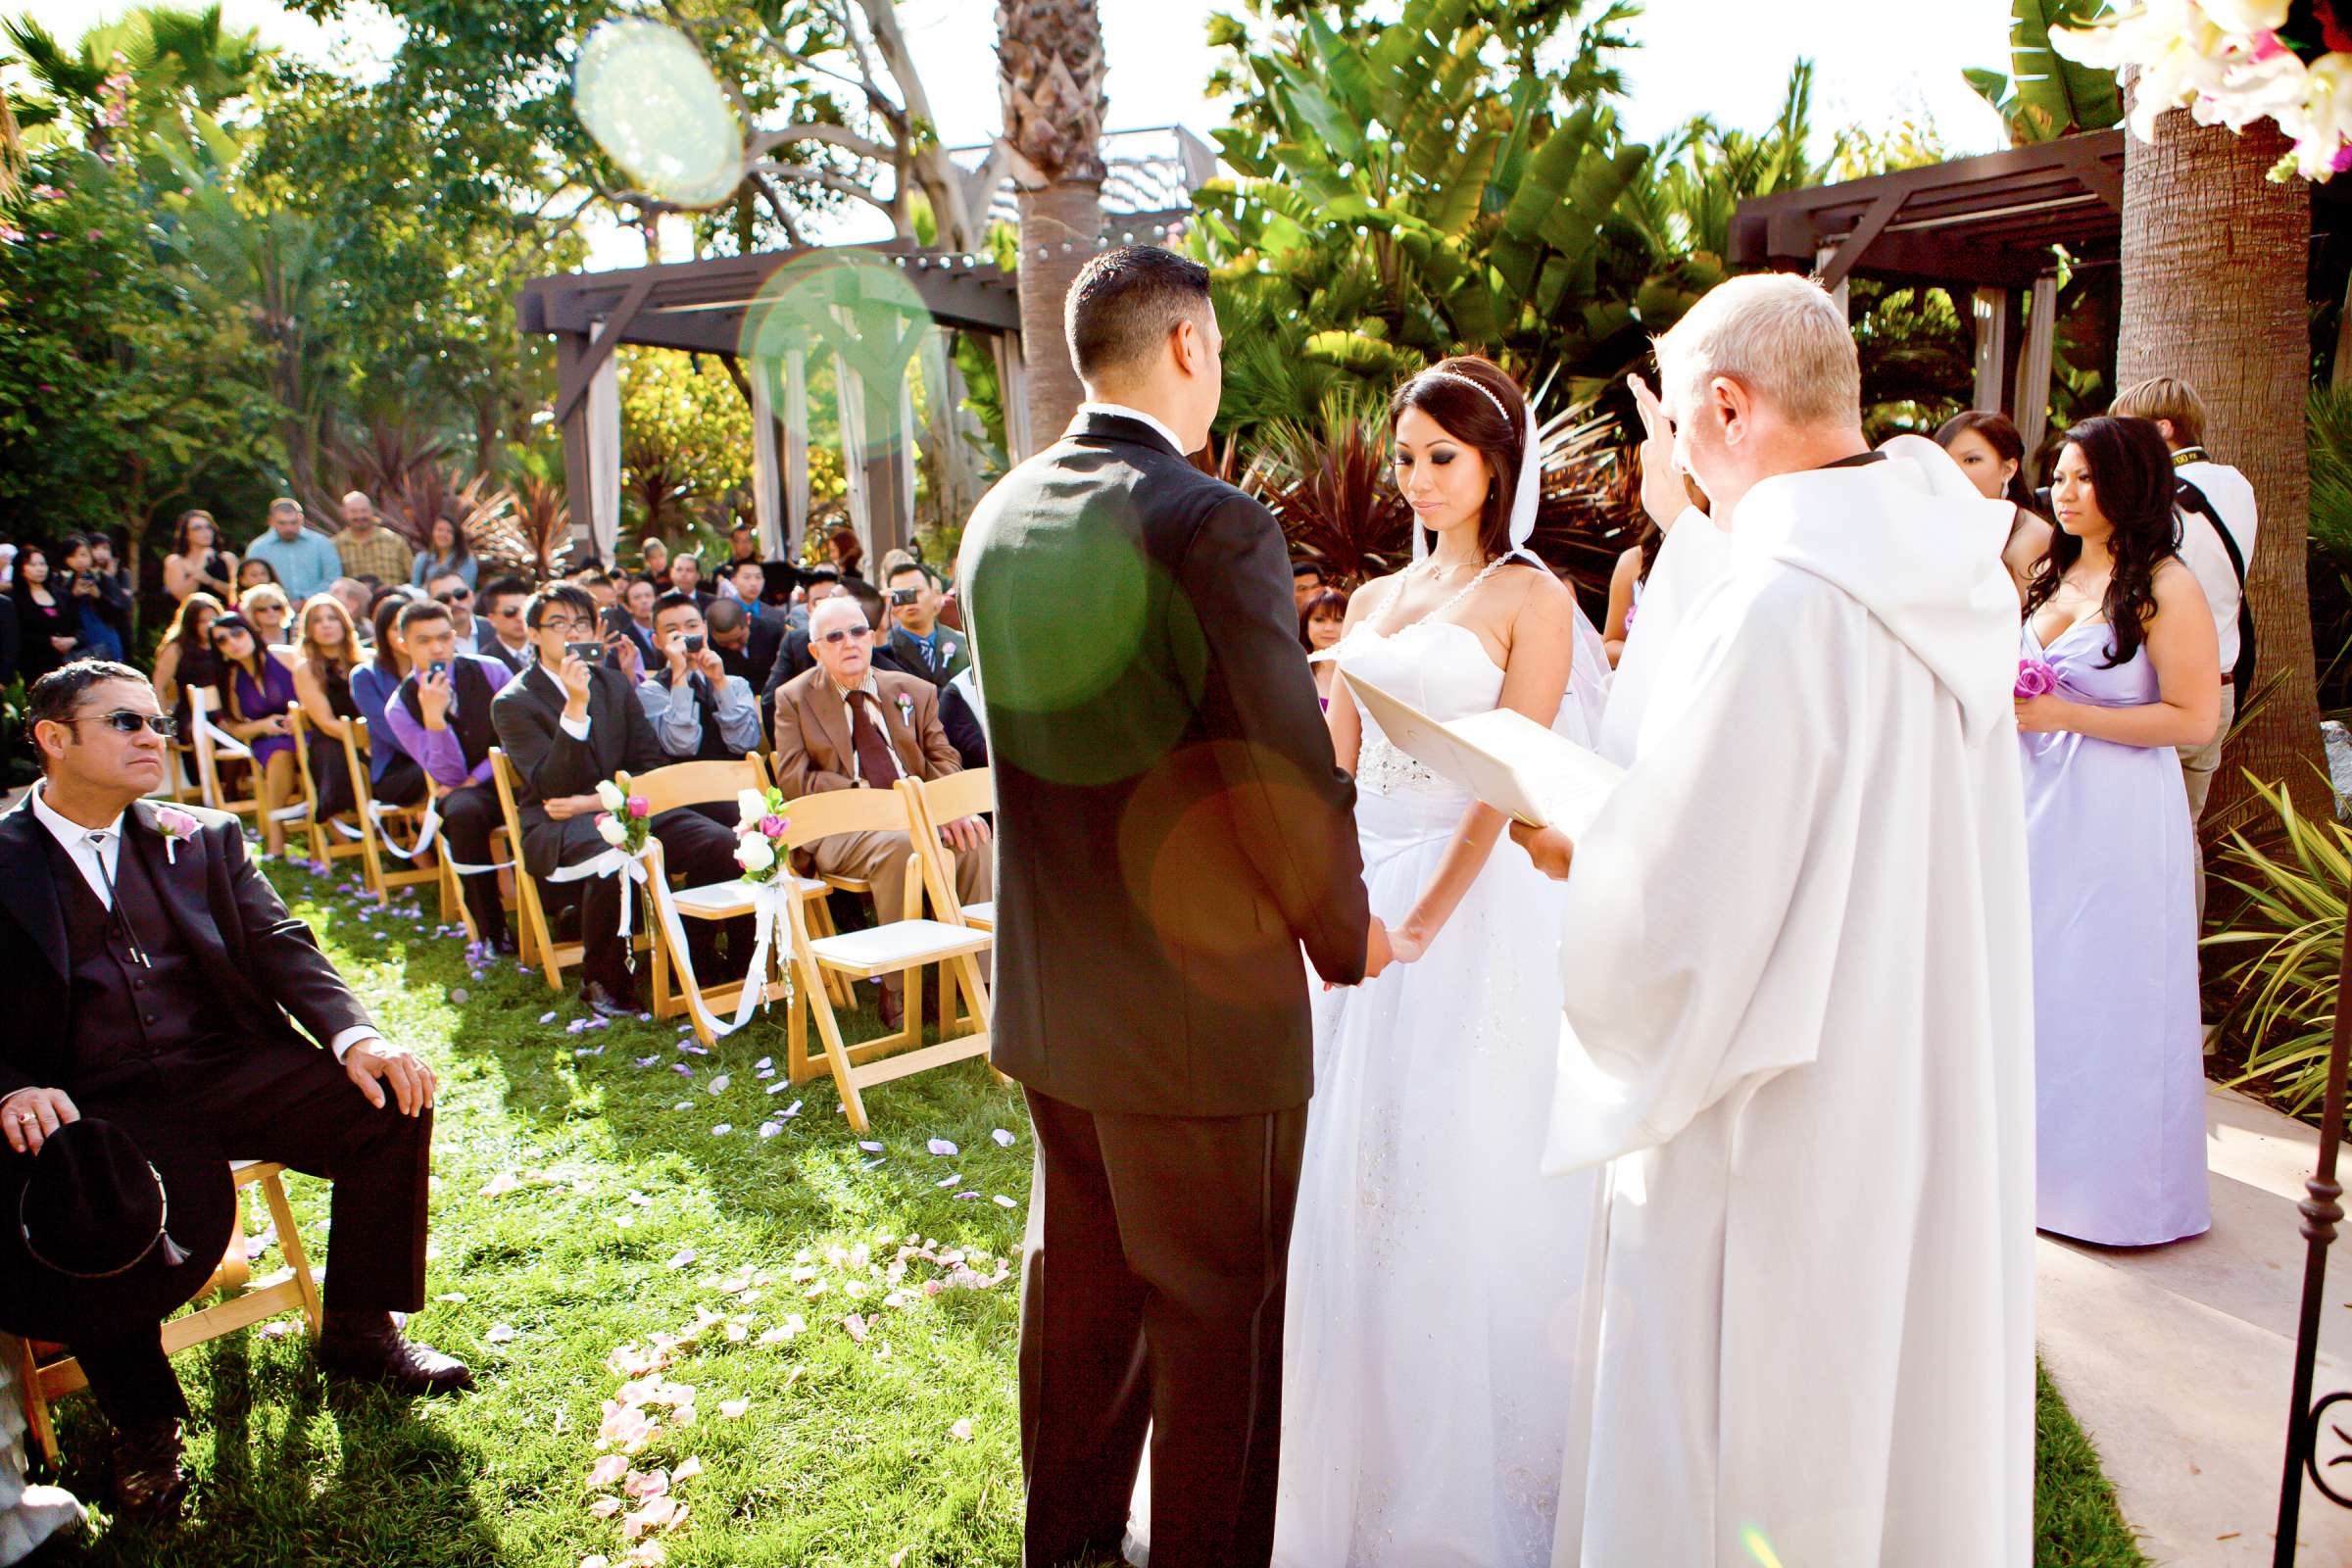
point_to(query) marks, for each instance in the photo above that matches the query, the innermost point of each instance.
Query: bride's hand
(1405, 945)
(1549, 848)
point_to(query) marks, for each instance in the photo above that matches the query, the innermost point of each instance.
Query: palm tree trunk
(2214, 260)
(1050, 76)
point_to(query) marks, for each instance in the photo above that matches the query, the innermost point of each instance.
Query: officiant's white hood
(1913, 540)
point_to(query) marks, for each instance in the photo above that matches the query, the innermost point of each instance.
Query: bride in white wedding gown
(1435, 1273)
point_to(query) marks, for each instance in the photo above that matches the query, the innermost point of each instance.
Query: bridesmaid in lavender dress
(2119, 1060)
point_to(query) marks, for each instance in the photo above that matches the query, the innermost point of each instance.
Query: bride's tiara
(1481, 388)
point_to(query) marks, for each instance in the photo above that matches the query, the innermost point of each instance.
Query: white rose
(612, 830)
(2247, 16)
(613, 800)
(751, 806)
(754, 853)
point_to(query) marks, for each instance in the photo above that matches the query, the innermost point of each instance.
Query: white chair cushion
(982, 914)
(883, 948)
(723, 900)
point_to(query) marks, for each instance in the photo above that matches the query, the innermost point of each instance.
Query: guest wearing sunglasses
(255, 693)
(271, 612)
(454, 594)
(499, 632)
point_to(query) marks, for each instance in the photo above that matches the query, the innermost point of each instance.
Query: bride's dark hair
(1463, 394)
(2132, 480)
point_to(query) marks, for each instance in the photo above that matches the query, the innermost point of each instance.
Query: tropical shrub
(2285, 943)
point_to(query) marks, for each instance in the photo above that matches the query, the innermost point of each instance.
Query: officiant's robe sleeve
(1687, 979)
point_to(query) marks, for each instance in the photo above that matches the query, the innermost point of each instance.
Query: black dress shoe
(377, 1353)
(501, 943)
(892, 1009)
(606, 1003)
(150, 1486)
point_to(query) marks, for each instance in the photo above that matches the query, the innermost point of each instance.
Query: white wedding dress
(1436, 1273)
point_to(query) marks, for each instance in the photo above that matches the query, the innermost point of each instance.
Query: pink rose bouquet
(2034, 678)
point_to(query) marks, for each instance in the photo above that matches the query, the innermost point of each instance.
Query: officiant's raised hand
(1547, 847)
(1664, 496)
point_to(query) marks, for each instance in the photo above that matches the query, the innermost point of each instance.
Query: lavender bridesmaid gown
(2119, 1051)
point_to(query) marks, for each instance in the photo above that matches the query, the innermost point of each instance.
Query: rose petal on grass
(681, 1259)
(688, 1471)
(869, 1145)
(722, 1129)
(770, 1129)
(500, 1185)
(547, 1017)
(604, 1507)
(606, 1470)
(941, 1147)
(500, 1334)
(961, 1431)
(1005, 1202)
(718, 1085)
(856, 1324)
(733, 1410)
(764, 1064)
(1003, 1138)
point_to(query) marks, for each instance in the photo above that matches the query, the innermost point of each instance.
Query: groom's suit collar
(1112, 421)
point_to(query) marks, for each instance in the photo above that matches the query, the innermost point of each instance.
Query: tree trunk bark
(2215, 256)
(1069, 210)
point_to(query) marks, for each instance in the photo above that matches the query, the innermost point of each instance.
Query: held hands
(1547, 847)
(30, 1115)
(374, 1062)
(2046, 714)
(1379, 952)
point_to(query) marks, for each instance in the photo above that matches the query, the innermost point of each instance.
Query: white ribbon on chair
(770, 919)
(612, 861)
(427, 826)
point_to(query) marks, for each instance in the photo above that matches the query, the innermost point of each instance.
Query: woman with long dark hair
(446, 554)
(184, 660)
(1991, 453)
(256, 690)
(2116, 630)
(394, 778)
(328, 645)
(1626, 581)
(197, 563)
(1321, 621)
(48, 620)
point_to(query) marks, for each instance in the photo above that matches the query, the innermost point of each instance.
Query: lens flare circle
(648, 96)
(853, 304)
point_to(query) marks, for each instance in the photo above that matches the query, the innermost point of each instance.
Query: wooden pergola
(1991, 224)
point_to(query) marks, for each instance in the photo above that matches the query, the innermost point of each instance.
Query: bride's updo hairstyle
(1481, 408)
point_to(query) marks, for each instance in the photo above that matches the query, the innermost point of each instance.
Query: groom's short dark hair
(1125, 303)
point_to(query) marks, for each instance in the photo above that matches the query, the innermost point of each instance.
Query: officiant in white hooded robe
(1800, 1007)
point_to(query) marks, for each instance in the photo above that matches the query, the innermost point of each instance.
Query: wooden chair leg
(39, 1425)
(795, 1038)
(289, 1241)
(837, 1055)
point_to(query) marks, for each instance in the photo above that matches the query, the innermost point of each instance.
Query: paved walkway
(2177, 1360)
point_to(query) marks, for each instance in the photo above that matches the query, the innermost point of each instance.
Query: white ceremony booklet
(1503, 756)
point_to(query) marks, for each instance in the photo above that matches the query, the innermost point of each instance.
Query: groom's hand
(1547, 847)
(1378, 953)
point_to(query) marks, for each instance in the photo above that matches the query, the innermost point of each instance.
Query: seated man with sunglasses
(450, 592)
(185, 1005)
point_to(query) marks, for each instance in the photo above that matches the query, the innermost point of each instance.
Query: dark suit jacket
(264, 964)
(548, 763)
(953, 645)
(1171, 825)
(486, 644)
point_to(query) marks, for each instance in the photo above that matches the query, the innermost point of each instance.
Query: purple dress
(275, 692)
(2119, 1060)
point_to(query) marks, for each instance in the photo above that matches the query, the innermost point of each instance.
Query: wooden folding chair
(214, 746)
(377, 844)
(533, 936)
(931, 802)
(328, 841)
(904, 947)
(48, 1374)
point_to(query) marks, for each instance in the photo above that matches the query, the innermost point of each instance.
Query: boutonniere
(947, 650)
(905, 709)
(174, 824)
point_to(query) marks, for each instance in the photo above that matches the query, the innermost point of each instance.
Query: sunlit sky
(1726, 58)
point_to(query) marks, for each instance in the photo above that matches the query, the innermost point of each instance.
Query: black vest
(474, 732)
(124, 1010)
(715, 747)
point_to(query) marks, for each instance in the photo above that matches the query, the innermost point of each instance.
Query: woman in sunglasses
(446, 553)
(256, 690)
(48, 620)
(271, 611)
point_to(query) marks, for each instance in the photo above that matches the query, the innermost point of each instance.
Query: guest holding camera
(441, 715)
(918, 641)
(175, 984)
(699, 711)
(393, 776)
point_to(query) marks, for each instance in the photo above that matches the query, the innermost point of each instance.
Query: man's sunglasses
(456, 596)
(847, 632)
(123, 721)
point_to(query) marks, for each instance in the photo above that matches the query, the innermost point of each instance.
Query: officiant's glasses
(123, 721)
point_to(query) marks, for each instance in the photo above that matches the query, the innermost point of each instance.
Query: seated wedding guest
(569, 725)
(368, 549)
(743, 543)
(2215, 521)
(817, 582)
(304, 559)
(601, 586)
(105, 607)
(48, 620)
(255, 693)
(2118, 1048)
(103, 562)
(1626, 582)
(746, 639)
(252, 572)
(1320, 622)
(960, 715)
(849, 555)
(686, 577)
(745, 582)
(441, 715)
(393, 775)
(637, 597)
(498, 627)
(329, 647)
(197, 563)
(176, 983)
(184, 660)
(918, 641)
(454, 594)
(272, 615)
(357, 598)
(700, 713)
(1307, 581)
(847, 725)
(446, 555)
(652, 563)
(1993, 455)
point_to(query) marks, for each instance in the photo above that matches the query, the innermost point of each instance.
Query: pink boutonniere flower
(905, 709)
(174, 824)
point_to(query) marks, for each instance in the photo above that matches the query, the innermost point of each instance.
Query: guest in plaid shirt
(368, 548)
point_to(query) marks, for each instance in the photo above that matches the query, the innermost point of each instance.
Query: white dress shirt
(96, 852)
(2207, 561)
(1121, 410)
(849, 711)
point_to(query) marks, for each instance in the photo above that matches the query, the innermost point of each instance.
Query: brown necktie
(877, 764)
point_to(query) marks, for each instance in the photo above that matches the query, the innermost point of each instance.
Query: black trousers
(1152, 1293)
(693, 846)
(470, 814)
(292, 1103)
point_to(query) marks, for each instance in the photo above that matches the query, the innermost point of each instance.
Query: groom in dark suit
(1172, 831)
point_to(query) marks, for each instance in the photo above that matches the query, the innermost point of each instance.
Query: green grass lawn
(584, 1202)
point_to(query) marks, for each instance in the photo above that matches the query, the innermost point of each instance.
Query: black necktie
(877, 764)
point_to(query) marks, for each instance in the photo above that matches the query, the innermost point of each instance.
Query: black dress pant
(470, 814)
(694, 846)
(1152, 1293)
(291, 1104)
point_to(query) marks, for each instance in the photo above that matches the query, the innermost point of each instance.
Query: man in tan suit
(847, 725)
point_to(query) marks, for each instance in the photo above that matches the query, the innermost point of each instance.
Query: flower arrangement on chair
(623, 822)
(759, 835)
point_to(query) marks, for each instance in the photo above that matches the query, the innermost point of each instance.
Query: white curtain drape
(849, 390)
(604, 459)
(795, 450)
(764, 458)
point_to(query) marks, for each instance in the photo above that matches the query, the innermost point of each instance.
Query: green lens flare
(646, 95)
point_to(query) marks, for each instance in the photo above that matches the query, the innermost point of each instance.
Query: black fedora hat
(97, 1241)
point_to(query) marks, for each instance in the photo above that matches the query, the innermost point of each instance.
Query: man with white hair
(1800, 1026)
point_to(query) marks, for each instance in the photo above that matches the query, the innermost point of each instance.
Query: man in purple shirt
(440, 715)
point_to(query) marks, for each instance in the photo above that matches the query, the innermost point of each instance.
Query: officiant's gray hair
(1777, 334)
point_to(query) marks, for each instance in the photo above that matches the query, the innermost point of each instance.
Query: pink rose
(172, 822)
(2035, 679)
(639, 806)
(773, 826)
